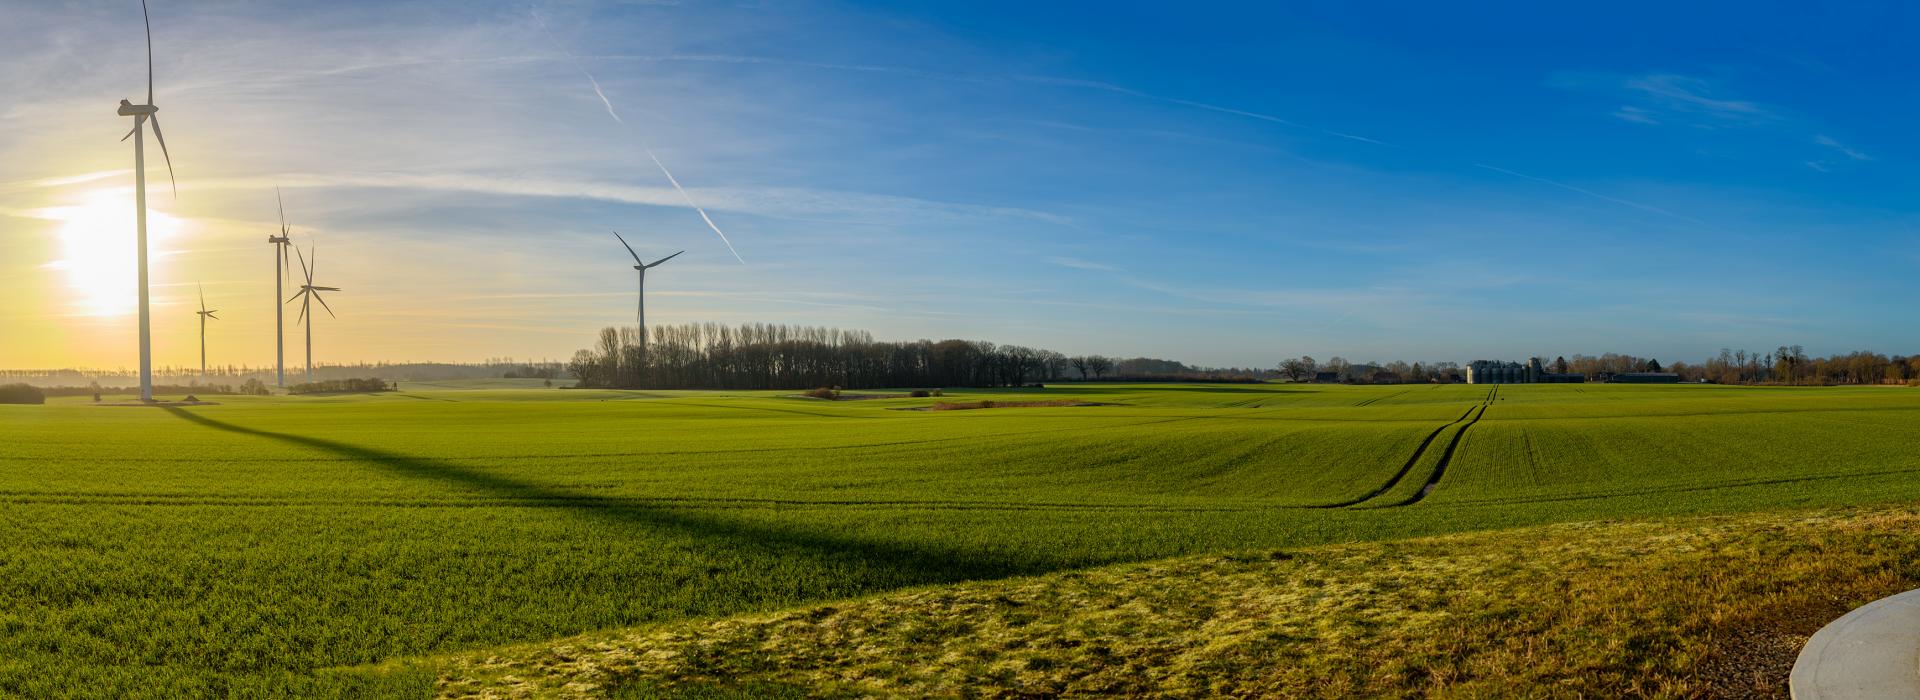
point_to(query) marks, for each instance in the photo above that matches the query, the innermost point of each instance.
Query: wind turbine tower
(204, 315)
(280, 271)
(642, 266)
(309, 294)
(142, 115)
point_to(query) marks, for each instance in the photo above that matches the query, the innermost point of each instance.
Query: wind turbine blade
(656, 263)
(636, 256)
(164, 154)
(323, 304)
(326, 289)
(283, 209)
(303, 310)
(296, 295)
(147, 19)
(303, 264)
(203, 296)
(136, 127)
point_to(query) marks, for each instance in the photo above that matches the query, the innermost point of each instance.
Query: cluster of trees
(1789, 364)
(1305, 368)
(233, 374)
(94, 389)
(775, 356)
(21, 393)
(333, 385)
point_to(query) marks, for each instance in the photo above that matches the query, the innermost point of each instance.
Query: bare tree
(1294, 369)
(1100, 364)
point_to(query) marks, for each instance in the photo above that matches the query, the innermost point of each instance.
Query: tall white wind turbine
(204, 315)
(281, 268)
(309, 294)
(142, 115)
(642, 266)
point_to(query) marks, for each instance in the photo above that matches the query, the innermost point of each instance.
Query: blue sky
(1226, 184)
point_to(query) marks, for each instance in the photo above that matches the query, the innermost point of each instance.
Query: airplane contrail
(689, 198)
(643, 144)
(1595, 195)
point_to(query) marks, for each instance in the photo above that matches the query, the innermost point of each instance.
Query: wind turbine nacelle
(129, 109)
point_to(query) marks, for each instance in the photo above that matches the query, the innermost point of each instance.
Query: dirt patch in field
(975, 405)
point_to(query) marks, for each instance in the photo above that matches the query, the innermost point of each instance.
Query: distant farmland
(253, 547)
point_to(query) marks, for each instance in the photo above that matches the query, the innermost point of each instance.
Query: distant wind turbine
(642, 266)
(143, 114)
(281, 268)
(309, 294)
(204, 315)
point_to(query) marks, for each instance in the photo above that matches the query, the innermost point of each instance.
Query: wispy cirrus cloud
(772, 202)
(1639, 115)
(1845, 150)
(1079, 264)
(1675, 99)
(1670, 98)
(1681, 94)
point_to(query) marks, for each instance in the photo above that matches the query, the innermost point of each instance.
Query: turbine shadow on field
(891, 562)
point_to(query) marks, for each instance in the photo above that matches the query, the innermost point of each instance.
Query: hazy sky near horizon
(1224, 185)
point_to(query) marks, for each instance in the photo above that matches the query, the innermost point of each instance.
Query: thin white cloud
(1593, 194)
(1829, 142)
(1817, 165)
(1680, 93)
(1078, 264)
(777, 202)
(1634, 114)
(1118, 90)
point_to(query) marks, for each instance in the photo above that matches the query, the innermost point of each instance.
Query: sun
(97, 242)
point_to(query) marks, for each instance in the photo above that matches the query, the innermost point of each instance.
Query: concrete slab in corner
(1872, 652)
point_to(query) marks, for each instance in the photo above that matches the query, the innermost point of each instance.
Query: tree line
(1789, 364)
(777, 356)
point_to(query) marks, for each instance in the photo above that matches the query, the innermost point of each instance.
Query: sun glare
(98, 251)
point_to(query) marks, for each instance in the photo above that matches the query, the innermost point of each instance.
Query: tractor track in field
(1378, 399)
(1404, 469)
(1465, 421)
(1440, 468)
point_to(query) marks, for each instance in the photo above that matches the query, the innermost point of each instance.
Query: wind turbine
(281, 269)
(142, 114)
(309, 294)
(204, 315)
(641, 266)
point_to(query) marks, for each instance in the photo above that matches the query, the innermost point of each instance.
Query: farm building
(1569, 378)
(1645, 378)
(1496, 372)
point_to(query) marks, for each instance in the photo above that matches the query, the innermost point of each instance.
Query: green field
(257, 547)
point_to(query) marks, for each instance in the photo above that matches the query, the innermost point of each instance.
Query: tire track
(1446, 457)
(1378, 399)
(1404, 469)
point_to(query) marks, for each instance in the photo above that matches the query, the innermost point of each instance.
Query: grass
(254, 547)
(1698, 607)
